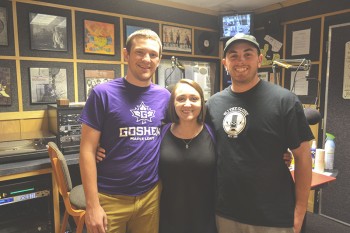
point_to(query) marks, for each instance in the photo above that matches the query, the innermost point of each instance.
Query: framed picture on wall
(177, 38)
(95, 77)
(3, 27)
(264, 76)
(99, 37)
(130, 29)
(48, 32)
(5, 86)
(47, 85)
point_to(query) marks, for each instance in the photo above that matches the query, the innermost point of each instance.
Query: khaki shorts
(132, 214)
(225, 225)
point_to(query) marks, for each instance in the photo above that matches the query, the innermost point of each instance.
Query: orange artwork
(99, 37)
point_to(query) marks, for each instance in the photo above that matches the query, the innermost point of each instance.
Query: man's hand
(96, 220)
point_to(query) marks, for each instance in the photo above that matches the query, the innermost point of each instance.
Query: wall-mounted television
(231, 24)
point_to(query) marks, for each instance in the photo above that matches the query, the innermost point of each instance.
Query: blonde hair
(143, 33)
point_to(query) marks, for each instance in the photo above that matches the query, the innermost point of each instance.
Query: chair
(73, 198)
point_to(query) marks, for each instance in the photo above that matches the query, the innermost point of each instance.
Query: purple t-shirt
(129, 119)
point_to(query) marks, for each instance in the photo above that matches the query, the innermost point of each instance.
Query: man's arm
(302, 177)
(95, 217)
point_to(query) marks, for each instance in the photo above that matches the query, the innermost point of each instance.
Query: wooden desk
(318, 179)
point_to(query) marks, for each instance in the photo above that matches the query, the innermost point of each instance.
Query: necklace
(187, 143)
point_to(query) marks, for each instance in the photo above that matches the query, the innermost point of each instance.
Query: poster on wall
(95, 77)
(5, 86)
(99, 37)
(47, 85)
(177, 39)
(130, 29)
(3, 26)
(48, 32)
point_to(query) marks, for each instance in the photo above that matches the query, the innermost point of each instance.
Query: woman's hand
(287, 157)
(100, 154)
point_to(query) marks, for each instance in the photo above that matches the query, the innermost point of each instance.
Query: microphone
(173, 62)
(287, 66)
(307, 67)
(179, 65)
(313, 116)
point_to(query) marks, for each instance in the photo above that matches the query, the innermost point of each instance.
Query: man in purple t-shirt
(124, 116)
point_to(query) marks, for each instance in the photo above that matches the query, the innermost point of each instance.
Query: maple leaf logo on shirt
(143, 113)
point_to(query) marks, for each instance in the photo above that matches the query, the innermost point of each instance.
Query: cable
(295, 75)
(167, 77)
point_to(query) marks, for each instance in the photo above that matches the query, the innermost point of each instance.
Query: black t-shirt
(253, 130)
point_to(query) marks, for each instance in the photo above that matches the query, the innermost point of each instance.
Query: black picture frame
(48, 32)
(5, 86)
(47, 84)
(3, 27)
(95, 77)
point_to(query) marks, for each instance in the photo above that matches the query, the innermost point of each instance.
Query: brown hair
(143, 33)
(171, 107)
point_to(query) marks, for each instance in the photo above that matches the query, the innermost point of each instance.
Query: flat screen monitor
(235, 23)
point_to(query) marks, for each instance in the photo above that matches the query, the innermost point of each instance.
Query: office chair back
(73, 197)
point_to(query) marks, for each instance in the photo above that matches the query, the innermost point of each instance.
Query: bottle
(329, 151)
(313, 152)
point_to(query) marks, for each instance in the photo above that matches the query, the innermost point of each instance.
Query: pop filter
(313, 116)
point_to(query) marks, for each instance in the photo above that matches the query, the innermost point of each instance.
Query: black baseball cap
(241, 37)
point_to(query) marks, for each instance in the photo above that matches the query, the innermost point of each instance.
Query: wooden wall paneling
(10, 130)
(74, 47)
(30, 126)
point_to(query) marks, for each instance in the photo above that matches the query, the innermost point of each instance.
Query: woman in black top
(187, 166)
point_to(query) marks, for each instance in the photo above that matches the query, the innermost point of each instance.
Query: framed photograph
(177, 38)
(5, 86)
(3, 27)
(48, 32)
(95, 77)
(99, 37)
(264, 76)
(47, 85)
